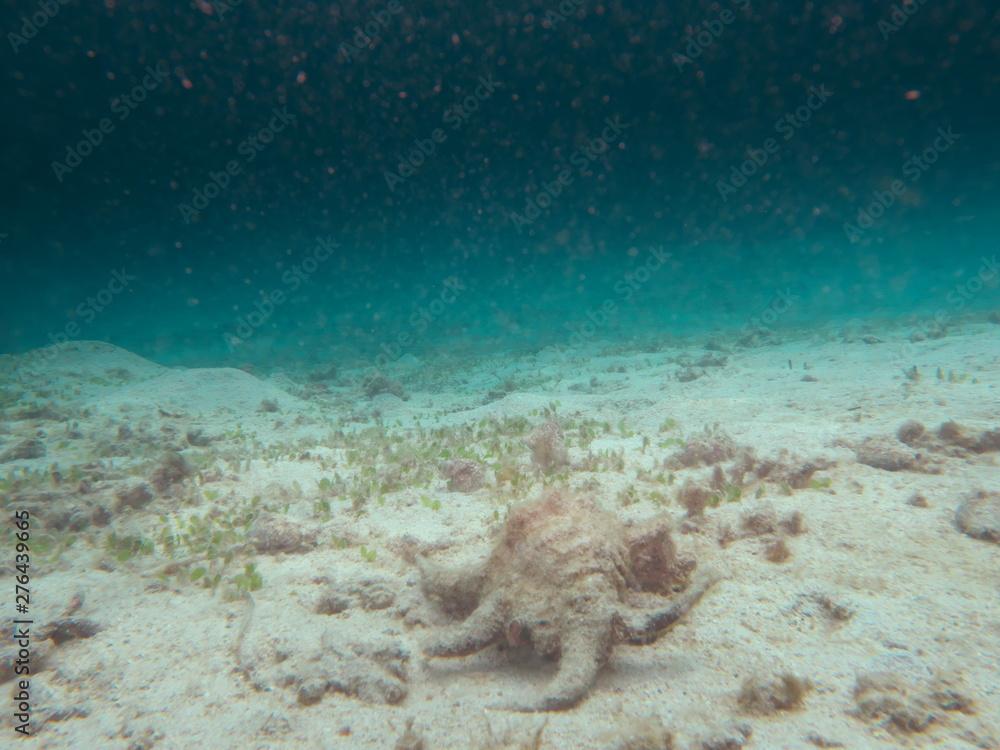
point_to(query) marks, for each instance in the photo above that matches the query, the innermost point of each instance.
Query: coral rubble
(918, 449)
(887, 700)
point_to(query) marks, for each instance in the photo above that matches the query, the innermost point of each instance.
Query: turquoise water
(540, 155)
(308, 302)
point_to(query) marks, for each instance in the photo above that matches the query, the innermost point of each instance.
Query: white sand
(162, 672)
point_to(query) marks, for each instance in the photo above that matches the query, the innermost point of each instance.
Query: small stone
(311, 692)
(331, 602)
(732, 738)
(377, 384)
(70, 629)
(374, 594)
(903, 707)
(688, 374)
(711, 360)
(272, 534)
(880, 454)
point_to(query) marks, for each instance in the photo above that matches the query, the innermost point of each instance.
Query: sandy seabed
(228, 559)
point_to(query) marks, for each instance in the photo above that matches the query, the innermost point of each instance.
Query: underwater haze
(559, 374)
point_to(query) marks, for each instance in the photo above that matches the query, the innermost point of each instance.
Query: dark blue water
(245, 182)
